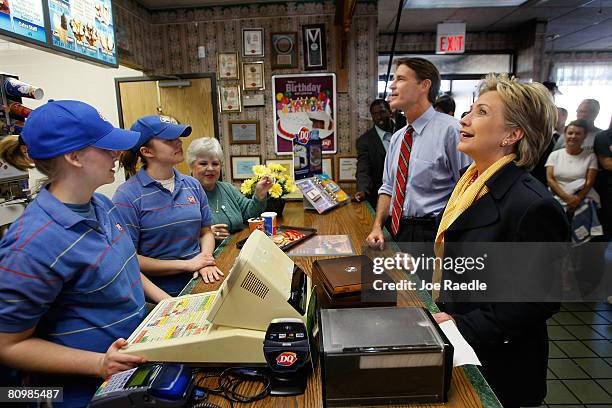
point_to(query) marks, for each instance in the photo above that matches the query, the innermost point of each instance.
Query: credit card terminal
(149, 385)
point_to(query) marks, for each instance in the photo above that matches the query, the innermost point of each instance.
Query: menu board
(84, 28)
(23, 19)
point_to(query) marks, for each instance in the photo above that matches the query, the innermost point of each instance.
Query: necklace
(215, 194)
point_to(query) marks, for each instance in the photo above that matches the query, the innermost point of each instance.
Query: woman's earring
(504, 143)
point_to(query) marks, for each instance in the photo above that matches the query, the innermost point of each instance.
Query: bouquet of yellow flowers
(283, 182)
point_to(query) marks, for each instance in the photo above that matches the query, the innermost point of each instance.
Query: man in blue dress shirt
(422, 163)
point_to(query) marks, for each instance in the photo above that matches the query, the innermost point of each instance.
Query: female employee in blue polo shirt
(167, 213)
(70, 284)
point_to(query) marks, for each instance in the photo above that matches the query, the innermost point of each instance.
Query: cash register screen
(138, 378)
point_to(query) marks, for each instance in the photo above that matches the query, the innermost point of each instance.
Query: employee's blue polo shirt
(164, 224)
(76, 280)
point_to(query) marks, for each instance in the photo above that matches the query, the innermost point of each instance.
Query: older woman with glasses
(497, 200)
(230, 209)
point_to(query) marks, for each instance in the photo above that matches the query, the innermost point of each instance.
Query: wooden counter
(468, 388)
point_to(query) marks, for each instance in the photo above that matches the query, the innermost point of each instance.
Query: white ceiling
(575, 24)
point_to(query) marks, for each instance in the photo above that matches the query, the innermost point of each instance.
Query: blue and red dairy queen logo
(191, 199)
(119, 227)
(303, 135)
(286, 359)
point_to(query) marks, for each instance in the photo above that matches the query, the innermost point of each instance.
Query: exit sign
(450, 38)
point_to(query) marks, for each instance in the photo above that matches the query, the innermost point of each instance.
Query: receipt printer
(383, 355)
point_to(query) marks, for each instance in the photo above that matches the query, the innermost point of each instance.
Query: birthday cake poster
(304, 101)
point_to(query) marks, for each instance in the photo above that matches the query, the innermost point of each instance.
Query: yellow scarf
(470, 187)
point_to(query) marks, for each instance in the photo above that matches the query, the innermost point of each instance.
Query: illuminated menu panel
(23, 19)
(84, 28)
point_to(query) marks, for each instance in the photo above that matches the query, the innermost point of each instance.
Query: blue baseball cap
(60, 127)
(158, 126)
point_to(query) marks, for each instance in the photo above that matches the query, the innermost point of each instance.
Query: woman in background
(70, 287)
(571, 171)
(497, 200)
(230, 209)
(167, 213)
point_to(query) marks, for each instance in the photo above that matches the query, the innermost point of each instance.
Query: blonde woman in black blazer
(497, 200)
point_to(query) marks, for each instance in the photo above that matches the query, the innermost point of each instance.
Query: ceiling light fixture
(428, 4)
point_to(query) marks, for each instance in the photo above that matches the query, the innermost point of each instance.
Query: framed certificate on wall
(229, 98)
(227, 65)
(243, 131)
(242, 166)
(347, 169)
(252, 42)
(253, 76)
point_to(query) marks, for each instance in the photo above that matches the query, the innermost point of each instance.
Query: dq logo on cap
(102, 116)
(167, 119)
(286, 359)
(191, 199)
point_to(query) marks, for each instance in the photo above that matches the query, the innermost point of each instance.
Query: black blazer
(510, 339)
(370, 164)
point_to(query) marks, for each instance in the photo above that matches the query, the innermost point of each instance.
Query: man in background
(603, 150)
(445, 104)
(371, 150)
(587, 110)
(560, 125)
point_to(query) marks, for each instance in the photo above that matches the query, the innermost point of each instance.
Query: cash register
(227, 326)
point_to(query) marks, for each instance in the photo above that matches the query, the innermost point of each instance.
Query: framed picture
(315, 50)
(242, 166)
(243, 131)
(227, 65)
(347, 169)
(253, 76)
(304, 100)
(328, 167)
(229, 98)
(284, 50)
(252, 42)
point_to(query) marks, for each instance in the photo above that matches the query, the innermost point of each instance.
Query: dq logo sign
(304, 135)
(286, 359)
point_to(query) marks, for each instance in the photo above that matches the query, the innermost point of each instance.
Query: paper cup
(15, 87)
(256, 223)
(269, 219)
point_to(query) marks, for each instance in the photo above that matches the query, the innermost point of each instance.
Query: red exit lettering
(451, 43)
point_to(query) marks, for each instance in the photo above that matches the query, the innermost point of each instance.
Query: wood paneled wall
(166, 43)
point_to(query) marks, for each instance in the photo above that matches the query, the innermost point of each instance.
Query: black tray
(308, 232)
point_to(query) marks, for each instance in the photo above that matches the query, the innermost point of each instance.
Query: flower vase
(276, 205)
